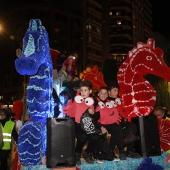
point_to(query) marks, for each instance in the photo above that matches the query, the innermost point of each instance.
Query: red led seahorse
(137, 93)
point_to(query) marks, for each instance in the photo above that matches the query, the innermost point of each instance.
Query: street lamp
(1, 28)
(11, 37)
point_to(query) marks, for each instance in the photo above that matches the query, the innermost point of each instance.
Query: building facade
(93, 29)
(130, 21)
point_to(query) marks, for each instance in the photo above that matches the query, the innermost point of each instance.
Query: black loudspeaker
(60, 142)
(149, 142)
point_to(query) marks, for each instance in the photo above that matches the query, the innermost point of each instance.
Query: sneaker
(98, 156)
(78, 161)
(116, 159)
(133, 155)
(100, 161)
(122, 156)
(88, 158)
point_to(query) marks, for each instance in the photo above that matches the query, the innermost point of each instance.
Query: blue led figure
(36, 62)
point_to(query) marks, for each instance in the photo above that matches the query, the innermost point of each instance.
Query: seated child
(82, 110)
(113, 92)
(63, 99)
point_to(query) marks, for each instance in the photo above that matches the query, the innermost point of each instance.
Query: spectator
(1, 135)
(9, 132)
(63, 99)
(161, 112)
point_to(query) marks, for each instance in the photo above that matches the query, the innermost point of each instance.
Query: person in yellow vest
(9, 132)
(161, 112)
(1, 136)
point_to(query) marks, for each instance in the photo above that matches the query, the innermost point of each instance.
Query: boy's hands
(119, 120)
(104, 130)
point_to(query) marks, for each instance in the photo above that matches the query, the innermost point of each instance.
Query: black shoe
(88, 157)
(78, 161)
(133, 155)
(114, 156)
(98, 155)
(122, 156)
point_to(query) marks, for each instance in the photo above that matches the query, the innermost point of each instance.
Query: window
(98, 30)
(88, 27)
(119, 22)
(64, 18)
(118, 13)
(89, 38)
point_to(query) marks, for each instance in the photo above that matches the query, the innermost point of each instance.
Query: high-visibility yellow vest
(7, 134)
(1, 136)
(168, 151)
(167, 118)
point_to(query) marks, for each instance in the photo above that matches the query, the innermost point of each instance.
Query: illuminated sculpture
(54, 54)
(164, 133)
(35, 61)
(137, 93)
(71, 66)
(59, 76)
(94, 76)
(18, 109)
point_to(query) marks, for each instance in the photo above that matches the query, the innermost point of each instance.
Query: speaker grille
(149, 143)
(60, 142)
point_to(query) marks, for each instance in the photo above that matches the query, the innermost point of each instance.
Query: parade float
(35, 61)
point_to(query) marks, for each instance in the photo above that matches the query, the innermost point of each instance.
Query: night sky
(160, 9)
(161, 13)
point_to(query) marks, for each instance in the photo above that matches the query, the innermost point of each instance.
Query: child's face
(103, 94)
(113, 92)
(158, 113)
(85, 92)
(62, 100)
(2, 116)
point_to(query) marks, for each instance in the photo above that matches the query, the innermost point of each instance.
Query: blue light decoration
(35, 61)
(147, 164)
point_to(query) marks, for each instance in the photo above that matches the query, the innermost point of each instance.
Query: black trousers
(4, 154)
(133, 129)
(116, 138)
(82, 138)
(103, 151)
